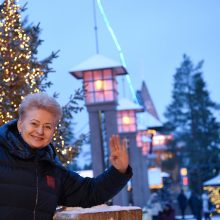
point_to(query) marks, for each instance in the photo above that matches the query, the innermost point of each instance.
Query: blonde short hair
(40, 101)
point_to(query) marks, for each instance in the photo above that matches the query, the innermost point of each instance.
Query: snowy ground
(191, 217)
(187, 217)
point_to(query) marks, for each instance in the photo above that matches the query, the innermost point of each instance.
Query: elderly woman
(32, 182)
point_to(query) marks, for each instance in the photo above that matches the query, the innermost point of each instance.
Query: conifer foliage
(191, 118)
(22, 73)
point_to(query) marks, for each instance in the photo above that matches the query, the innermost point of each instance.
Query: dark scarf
(14, 143)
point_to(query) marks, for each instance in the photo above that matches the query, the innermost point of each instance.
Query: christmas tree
(21, 73)
(63, 138)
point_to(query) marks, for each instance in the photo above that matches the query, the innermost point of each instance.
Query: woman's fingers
(117, 140)
(124, 144)
(114, 142)
(116, 145)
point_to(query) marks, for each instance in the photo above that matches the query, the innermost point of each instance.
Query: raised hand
(118, 153)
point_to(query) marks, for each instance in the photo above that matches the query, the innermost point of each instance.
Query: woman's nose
(40, 130)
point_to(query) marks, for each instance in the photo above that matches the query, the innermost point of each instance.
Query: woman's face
(37, 127)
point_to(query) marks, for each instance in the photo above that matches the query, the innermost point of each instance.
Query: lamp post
(100, 86)
(101, 99)
(127, 127)
(144, 140)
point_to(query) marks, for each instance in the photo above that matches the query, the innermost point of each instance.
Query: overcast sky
(153, 36)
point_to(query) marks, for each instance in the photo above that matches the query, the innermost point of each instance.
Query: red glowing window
(88, 76)
(89, 87)
(107, 73)
(97, 74)
(185, 181)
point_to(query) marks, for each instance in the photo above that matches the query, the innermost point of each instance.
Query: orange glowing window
(99, 85)
(108, 84)
(183, 172)
(160, 139)
(126, 121)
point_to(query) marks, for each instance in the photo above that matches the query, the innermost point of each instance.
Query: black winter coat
(33, 183)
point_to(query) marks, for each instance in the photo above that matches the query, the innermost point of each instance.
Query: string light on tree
(214, 196)
(21, 73)
(15, 69)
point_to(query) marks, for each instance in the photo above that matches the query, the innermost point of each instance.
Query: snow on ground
(187, 217)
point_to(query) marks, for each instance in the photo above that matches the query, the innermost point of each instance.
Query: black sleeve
(86, 192)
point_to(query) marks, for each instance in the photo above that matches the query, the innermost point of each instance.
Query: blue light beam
(107, 23)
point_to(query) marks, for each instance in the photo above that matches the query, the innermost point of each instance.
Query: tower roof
(146, 121)
(126, 104)
(97, 62)
(145, 99)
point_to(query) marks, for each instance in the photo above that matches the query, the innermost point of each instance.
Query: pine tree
(22, 73)
(190, 116)
(204, 151)
(67, 146)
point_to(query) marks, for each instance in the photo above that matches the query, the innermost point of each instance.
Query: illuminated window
(100, 86)
(126, 121)
(161, 139)
(143, 139)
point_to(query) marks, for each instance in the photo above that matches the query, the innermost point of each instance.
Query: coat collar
(14, 143)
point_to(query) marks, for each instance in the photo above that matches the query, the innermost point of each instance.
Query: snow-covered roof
(146, 120)
(97, 62)
(126, 104)
(213, 182)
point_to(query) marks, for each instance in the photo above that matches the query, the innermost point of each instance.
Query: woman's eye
(33, 123)
(48, 127)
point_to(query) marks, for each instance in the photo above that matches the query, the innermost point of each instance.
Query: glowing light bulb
(126, 120)
(99, 85)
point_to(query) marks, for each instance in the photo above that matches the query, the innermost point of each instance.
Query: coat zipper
(37, 193)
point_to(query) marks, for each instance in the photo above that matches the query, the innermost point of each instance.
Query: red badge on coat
(50, 181)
